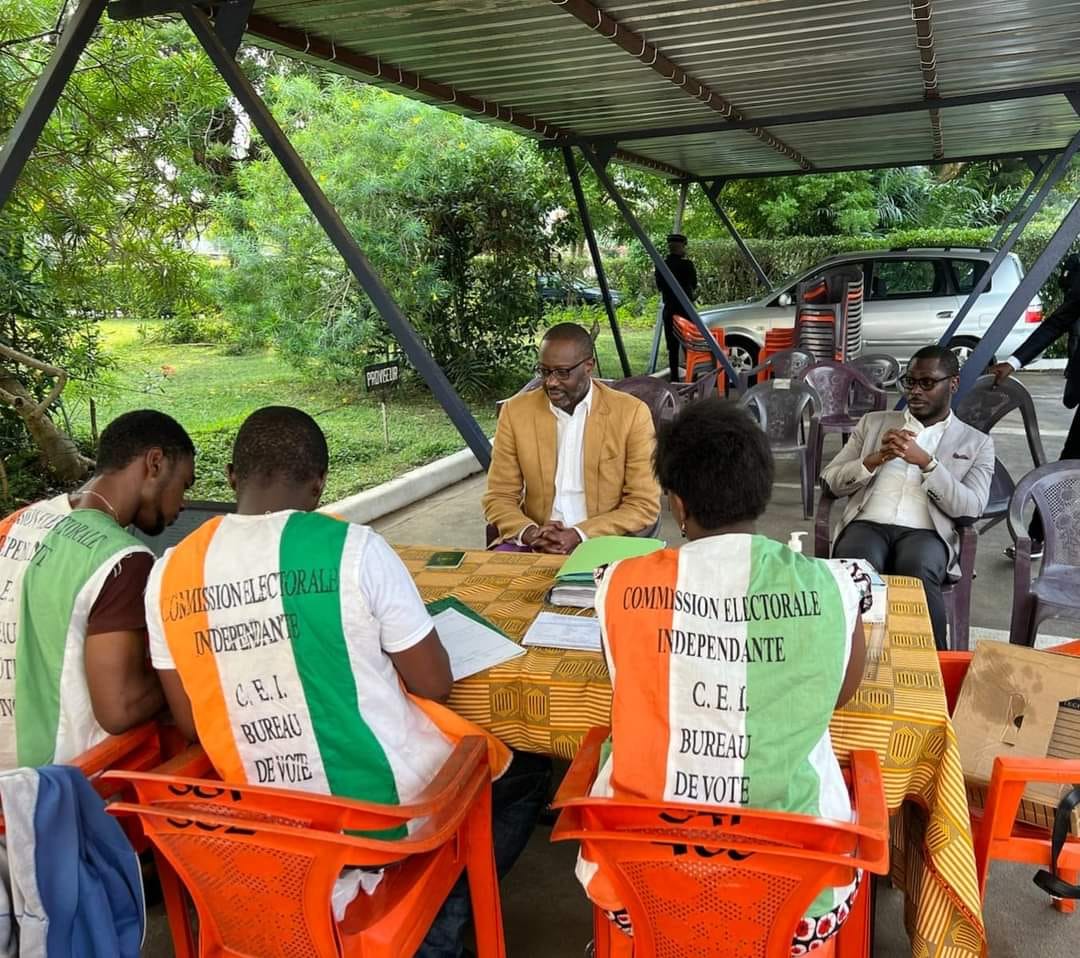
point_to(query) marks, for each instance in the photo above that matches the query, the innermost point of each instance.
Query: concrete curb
(411, 487)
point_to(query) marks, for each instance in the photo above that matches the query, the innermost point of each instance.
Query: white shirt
(898, 496)
(568, 506)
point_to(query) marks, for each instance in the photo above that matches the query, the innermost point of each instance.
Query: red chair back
(714, 881)
(260, 863)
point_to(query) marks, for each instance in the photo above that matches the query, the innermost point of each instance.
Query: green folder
(593, 553)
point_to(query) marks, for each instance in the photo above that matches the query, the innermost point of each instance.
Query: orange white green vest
(54, 562)
(281, 660)
(727, 657)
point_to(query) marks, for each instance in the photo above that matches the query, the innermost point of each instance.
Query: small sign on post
(381, 378)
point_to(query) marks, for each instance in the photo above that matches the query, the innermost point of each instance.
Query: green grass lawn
(211, 392)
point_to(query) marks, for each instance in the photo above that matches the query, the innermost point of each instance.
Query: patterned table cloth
(546, 700)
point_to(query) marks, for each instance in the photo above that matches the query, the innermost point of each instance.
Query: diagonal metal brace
(338, 234)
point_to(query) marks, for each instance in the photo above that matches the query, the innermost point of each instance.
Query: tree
(457, 217)
(100, 220)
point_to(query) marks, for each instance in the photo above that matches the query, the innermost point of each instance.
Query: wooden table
(546, 700)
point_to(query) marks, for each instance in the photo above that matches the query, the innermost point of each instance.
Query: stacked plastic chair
(698, 352)
(828, 319)
(777, 340)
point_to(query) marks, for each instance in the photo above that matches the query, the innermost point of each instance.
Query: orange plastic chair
(716, 881)
(998, 835)
(776, 341)
(138, 748)
(260, 863)
(698, 352)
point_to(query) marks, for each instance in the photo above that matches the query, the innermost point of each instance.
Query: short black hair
(717, 459)
(945, 357)
(129, 436)
(280, 442)
(571, 333)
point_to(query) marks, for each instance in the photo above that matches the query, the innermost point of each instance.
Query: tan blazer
(621, 493)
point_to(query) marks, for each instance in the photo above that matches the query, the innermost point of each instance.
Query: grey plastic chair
(783, 364)
(790, 415)
(983, 407)
(882, 370)
(835, 383)
(1055, 491)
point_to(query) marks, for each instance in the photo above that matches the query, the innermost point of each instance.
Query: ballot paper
(554, 631)
(471, 643)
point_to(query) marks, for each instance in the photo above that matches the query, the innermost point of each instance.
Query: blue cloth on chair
(74, 884)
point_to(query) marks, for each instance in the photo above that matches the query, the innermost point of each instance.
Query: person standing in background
(682, 268)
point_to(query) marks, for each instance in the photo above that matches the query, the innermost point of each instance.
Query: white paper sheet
(555, 631)
(471, 645)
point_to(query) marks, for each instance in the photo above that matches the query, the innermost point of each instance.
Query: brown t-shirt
(119, 606)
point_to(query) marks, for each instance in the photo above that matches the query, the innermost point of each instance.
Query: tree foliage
(456, 218)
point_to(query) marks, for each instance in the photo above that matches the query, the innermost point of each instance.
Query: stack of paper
(554, 631)
(471, 642)
(575, 586)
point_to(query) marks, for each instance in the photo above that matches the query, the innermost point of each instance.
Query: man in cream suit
(908, 476)
(573, 459)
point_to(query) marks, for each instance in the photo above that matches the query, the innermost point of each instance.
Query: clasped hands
(898, 444)
(552, 537)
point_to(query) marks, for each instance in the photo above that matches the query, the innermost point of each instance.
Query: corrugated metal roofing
(540, 67)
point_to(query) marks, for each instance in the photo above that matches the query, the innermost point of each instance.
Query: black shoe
(1036, 551)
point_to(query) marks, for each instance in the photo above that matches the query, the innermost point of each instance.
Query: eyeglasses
(925, 383)
(561, 373)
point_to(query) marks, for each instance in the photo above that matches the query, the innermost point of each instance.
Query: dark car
(557, 291)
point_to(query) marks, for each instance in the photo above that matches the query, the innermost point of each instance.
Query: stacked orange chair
(776, 341)
(260, 863)
(716, 881)
(698, 352)
(998, 835)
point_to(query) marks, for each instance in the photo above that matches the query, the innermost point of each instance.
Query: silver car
(911, 297)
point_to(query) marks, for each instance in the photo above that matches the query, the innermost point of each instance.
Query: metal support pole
(713, 193)
(24, 135)
(339, 235)
(1040, 271)
(1038, 171)
(594, 252)
(983, 283)
(680, 207)
(658, 261)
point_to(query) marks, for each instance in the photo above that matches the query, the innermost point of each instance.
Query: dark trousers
(895, 550)
(673, 345)
(516, 802)
(1071, 450)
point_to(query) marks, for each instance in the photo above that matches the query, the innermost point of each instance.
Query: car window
(966, 273)
(907, 279)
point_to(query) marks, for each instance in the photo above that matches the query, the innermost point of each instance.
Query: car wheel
(742, 353)
(963, 346)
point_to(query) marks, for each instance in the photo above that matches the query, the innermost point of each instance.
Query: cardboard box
(1023, 702)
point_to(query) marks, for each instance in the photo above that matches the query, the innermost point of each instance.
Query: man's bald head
(570, 333)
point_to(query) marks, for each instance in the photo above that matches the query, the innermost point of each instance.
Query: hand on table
(554, 538)
(901, 444)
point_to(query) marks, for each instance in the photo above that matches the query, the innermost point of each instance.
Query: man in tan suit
(573, 459)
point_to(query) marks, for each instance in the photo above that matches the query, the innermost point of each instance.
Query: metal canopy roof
(738, 88)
